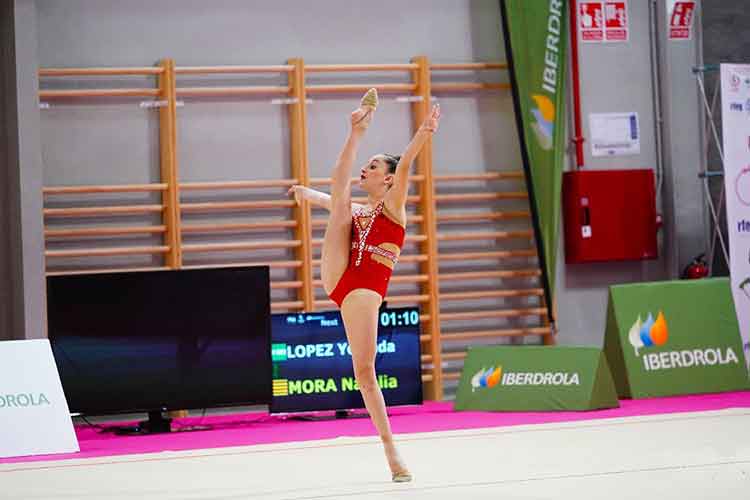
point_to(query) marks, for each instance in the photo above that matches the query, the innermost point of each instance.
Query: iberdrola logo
(486, 378)
(544, 127)
(648, 333)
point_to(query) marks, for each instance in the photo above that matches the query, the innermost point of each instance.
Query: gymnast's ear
(388, 179)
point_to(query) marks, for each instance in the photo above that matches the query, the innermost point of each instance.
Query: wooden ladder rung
(453, 356)
(484, 235)
(239, 227)
(123, 188)
(451, 375)
(271, 183)
(103, 231)
(293, 304)
(281, 264)
(497, 313)
(500, 254)
(348, 68)
(483, 216)
(228, 70)
(468, 86)
(231, 247)
(122, 92)
(509, 332)
(413, 258)
(485, 176)
(480, 275)
(446, 356)
(467, 197)
(360, 88)
(280, 285)
(102, 252)
(488, 294)
(467, 66)
(146, 70)
(399, 299)
(409, 278)
(102, 211)
(235, 205)
(231, 91)
(105, 270)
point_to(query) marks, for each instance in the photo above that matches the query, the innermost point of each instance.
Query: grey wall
(23, 309)
(615, 77)
(684, 202)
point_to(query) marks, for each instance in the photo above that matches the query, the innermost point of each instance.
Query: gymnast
(360, 249)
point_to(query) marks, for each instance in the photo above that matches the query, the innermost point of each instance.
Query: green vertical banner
(536, 42)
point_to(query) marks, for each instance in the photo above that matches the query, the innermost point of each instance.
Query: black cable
(99, 428)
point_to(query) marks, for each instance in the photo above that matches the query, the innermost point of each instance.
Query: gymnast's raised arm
(396, 197)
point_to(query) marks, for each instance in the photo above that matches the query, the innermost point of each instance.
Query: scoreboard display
(312, 361)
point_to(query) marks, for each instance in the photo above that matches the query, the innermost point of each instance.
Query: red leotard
(372, 268)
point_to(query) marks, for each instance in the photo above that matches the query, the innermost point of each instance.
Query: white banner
(735, 103)
(34, 416)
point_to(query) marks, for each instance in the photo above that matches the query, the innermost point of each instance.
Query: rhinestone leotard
(377, 239)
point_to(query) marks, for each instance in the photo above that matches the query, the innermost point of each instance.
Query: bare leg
(337, 240)
(360, 313)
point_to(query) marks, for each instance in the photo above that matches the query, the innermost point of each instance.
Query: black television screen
(312, 363)
(147, 341)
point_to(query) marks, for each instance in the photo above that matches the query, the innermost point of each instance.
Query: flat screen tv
(153, 341)
(312, 363)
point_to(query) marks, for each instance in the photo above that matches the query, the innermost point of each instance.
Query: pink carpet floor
(258, 428)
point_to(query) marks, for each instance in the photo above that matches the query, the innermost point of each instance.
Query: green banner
(535, 378)
(536, 42)
(674, 337)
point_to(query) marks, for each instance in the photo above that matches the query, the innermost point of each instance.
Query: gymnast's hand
(298, 192)
(432, 120)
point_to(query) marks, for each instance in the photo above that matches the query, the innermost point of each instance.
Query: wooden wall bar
(432, 216)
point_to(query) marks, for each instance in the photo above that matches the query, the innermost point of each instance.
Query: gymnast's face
(374, 176)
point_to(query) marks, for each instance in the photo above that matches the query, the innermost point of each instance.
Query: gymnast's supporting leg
(360, 313)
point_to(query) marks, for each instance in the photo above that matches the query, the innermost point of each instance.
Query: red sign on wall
(591, 21)
(616, 19)
(681, 21)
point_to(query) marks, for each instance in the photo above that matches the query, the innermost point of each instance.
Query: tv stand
(156, 424)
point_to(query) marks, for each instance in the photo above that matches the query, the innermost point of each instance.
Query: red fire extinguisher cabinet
(609, 215)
